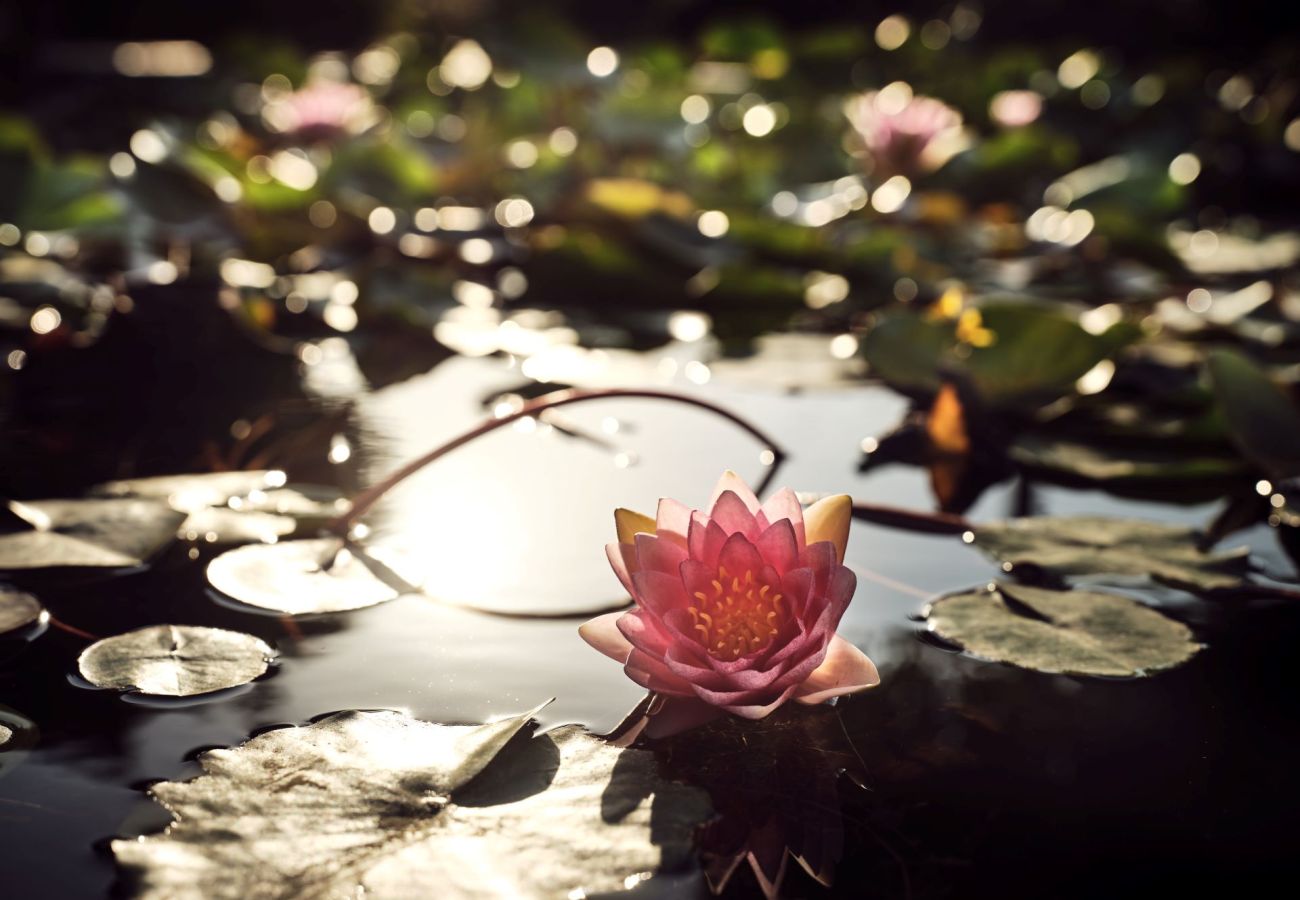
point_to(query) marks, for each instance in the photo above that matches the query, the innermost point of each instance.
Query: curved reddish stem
(362, 503)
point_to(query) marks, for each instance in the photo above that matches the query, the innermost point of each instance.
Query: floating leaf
(174, 660)
(1262, 420)
(1087, 545)
(304, 577)
(1096, 464)
(1067, 632)
(235, 507)
(1034, 356)
(18, 610)
(383, 805)
(18, 735)
(118, 532)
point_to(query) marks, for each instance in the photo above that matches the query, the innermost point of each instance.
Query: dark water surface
(980, 778)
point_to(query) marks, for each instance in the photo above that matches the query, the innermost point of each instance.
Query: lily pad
(321, 575)
(104, 533)
(382, 805)
(1088, 545)
(18, 735)
(1063, 632)
(18, 609)
(1262, 420)
(188, 493)
(174, 660)
(1096, 464)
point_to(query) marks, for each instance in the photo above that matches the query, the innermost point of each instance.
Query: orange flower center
(737, 615)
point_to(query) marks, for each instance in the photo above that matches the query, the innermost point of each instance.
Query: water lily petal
(629, 524)
(828, 520)
(622, 559)
(705, 540)
(739, 556)
(673, 519)
(604, 634)
(779, 546)
(759, 711)
(732, 482)
(642, 632)
(658, 592)
(784, 504)
(845, 670)
(653, 675)
(733, 515)
(656, 554)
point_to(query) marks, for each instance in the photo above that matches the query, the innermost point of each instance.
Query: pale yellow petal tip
(629, 524)
(828, 520)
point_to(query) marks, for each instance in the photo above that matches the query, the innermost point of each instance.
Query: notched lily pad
(382, 805)
(18, 609)
(1091, 545)
(304, 577)
(175, 660)
(1063, 632)
(99, 533)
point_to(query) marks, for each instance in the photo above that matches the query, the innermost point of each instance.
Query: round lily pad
(18, 610)
(304, 577)
(175, 660)
(1062, 632)
(18, 735)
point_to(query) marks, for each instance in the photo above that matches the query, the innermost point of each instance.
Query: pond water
(973, 773)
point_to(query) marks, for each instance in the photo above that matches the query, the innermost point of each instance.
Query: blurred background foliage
(1041, 214)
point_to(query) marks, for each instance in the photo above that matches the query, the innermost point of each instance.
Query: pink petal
(828, 520)
(779, 546)
(732, 482)
(653, 675)
(656, 554)
(753, 711)
(845, 670)
(739, 556)
(658, 592)
(706, 539)
(673, 519)
(622, 559)
(733, 515)
(785, 505)
(642, 632)
(603, 633)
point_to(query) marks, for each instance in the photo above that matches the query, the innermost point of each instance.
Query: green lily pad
(1036, 355)
(306, 577)
(18, 609)
(1262, 420)
(1096, 464)
(383, 805)
(100, 533)
(1088, 545)
(1062, 632)
(175, 660)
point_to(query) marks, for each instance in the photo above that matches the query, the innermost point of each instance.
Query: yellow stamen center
(736, 619)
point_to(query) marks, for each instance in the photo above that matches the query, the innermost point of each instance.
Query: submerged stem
(362, 502)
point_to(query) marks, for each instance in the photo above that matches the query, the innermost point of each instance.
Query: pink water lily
(905, 134)
(736, 607)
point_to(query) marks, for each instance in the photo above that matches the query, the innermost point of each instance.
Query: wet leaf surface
(381, 804)
(303, 577)
(18, 609)
(1071, 632)
(189, 493)
(175, 660)
(1262, 419)
(96, 533)
(1091, 545)
(1098, 464)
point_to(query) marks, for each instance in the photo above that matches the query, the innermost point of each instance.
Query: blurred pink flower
(905, 134)
(736, 608)
(323, 108)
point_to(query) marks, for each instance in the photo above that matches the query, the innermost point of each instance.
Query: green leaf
(1087, 545)
(1262, 420)
(174, 660)
(382, 805)
(1096, 464)
(1064, 632)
